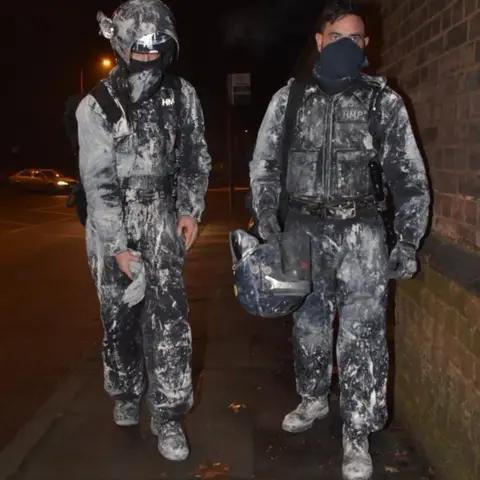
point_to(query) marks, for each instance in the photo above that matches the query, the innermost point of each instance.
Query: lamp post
(105, 63)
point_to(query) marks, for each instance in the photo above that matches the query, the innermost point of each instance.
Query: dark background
(49, 43)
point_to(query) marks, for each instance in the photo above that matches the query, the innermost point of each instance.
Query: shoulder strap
(107, 103)
(174, 82)
(374, 126)
(295, 97)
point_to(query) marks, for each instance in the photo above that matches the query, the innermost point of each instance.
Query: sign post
(239, 94)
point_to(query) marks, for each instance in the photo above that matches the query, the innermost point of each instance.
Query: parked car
(43, 180)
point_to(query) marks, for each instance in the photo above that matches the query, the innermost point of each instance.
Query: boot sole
(368, 477)
(176, 459)
(308, 426)
(126, 423)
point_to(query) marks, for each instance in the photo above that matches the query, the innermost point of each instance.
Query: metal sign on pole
(239, 89)
(239, 93)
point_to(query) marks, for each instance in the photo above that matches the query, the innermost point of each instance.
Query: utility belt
(341, 210)
(147, 188)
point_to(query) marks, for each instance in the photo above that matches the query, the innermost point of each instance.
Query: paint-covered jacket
(152, 144)
(332, 147)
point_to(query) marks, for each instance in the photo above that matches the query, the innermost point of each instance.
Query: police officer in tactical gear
(330, 198)
(145, 176)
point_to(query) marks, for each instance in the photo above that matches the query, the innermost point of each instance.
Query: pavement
(242, 368)
(49, 312)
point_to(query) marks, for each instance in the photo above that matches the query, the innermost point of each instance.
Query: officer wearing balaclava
(331, 199)
(145, 179)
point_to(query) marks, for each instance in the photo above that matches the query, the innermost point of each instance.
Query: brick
(435, 26)
(446, 182)
(458, 58)
(470, 7)
(454, 351)
(451, 317)
(469, 185)
(452, 84)
(439, 284)
(458, 12)
(446, 227)
(472, 81)
(474, 159)
(466, 235)
(458, 209)
(472, 396)
(446, 19)
(465, 332)
(474, 27)
(433, 72)
(474, 104)
(473, 133)
(434, 48)
(471, 209)
(446, 205)
(476, 376)
(429, 135)
(463, 108)
(422, 14)
(467, 362)
(456, 36)
(476, 343)
(472, 311)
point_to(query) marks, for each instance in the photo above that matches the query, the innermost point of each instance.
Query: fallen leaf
(215, 470)
(391, 469)
(235, 407)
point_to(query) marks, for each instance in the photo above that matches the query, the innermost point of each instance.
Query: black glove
(402, 263)
(268, 225)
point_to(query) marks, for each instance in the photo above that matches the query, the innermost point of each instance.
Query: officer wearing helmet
(145, 177)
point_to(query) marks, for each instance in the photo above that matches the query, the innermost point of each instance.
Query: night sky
(49, 42)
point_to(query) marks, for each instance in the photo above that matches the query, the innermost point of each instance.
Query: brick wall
(437, 388)
(432, 48)
(431, 53)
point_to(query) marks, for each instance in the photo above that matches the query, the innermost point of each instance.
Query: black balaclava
(338, 65)
(132, 22)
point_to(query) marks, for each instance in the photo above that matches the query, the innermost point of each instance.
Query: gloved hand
(268, 225)
(135, 292)
(402, 263)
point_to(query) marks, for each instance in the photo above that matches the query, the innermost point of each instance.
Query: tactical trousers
(349, 269)
(147, 346)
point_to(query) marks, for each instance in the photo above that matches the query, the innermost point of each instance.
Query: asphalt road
(48, 307)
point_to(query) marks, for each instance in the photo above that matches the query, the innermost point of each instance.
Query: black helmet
(142, 26)
(271, 279)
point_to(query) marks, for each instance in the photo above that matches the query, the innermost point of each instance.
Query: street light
(105, 63)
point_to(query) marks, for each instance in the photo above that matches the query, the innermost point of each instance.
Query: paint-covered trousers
(148, 345)
(349, 270)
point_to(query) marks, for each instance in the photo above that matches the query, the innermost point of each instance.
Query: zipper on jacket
(327, 164)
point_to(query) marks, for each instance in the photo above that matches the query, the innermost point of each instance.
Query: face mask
(340, 60)
(144, 83)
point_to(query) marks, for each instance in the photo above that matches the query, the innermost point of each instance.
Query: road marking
(31, 227)
(41, 210)
(46, 208)
(65, 235)
(13, 222)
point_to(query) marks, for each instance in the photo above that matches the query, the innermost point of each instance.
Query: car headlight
(62, 183)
